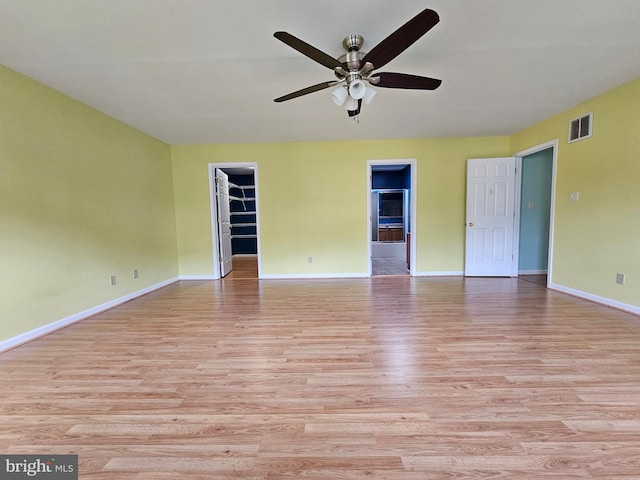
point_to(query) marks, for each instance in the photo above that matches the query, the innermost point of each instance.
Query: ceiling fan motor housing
(353, 58)
(353, 42)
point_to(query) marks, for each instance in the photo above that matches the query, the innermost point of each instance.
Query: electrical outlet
(135, 273)
(574, 196)
(113, 279)
(620, 278)
(309, 259)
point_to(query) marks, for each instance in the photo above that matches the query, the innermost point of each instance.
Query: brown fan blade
(402, 38)
(312, 52)
(404, 80)
(305, 91)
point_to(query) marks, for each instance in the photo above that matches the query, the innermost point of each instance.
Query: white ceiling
(207, 71)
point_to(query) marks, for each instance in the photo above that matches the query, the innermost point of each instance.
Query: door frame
(518, 201)
(413, 164)
(215, 240)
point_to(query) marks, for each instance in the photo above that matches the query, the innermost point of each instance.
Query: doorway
(236, 255)
(391, 214)
(534, 209)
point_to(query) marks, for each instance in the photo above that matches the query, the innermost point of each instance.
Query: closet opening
(235, 220)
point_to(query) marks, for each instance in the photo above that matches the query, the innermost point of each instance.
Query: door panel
(490, 217)
(224, 222)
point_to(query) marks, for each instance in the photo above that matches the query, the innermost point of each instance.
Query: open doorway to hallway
(391, 206)
(535, 213)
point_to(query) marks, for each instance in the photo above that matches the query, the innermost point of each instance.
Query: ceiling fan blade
(402, 38)
(312, 52)
(404, 80)
(305, 91)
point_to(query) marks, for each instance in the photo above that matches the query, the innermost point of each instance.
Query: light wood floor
(383, 378)
(539, 279)
(243, 267)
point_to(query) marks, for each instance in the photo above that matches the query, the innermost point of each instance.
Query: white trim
(440, 274)
(214, 214)
(515, 258)
(595, 298)
(537, 148)
(213, 209)
(413, 200)
(65, 322)
(552, 214)
(296, 276)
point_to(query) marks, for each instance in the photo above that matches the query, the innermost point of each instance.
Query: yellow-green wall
(313, 202)
(82, 197)
(599, 235)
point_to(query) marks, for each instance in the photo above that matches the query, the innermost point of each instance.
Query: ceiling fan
(355, 69)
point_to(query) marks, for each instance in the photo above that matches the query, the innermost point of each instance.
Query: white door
(490, 217)
(224, 222)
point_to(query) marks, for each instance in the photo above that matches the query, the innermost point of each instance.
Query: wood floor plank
(382, 378)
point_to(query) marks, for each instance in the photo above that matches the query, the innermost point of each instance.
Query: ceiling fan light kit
(354, 69)
(370, 93)
(357, 89)
(339, 95)
(351, 104)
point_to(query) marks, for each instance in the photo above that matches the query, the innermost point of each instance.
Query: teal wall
(535, 211)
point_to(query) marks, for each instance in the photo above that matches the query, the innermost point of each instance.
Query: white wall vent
(581, 127)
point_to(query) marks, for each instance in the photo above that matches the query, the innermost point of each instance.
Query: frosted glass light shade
(368, 96)
(339, 96)
(357, 89)
(351, 104)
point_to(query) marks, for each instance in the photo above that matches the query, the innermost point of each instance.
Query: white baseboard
(64, 322)
(595, 298)
(439, 274)
(291, 276)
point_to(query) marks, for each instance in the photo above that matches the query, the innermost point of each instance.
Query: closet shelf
(241, 187)
(244, 236)
(233, 225)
